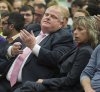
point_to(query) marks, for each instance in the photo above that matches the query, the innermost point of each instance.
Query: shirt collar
(44, 33)
(11, 39)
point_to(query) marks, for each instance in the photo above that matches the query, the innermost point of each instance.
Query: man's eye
(54, 17)
(46, 14)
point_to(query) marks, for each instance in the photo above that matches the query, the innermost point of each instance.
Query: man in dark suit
(11, 29)
(46, 50)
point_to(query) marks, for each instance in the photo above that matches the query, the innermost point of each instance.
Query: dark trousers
(5, 86)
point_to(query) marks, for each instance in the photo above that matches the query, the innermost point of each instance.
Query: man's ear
(61, 24)
(65, 21)
(11, 26)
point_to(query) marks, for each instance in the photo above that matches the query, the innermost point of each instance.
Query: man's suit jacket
(34, 27)
(45, 65)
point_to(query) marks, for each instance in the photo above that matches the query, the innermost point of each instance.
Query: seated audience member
(29, 2)
(12, 25)
(11, 28)
(4, 16)
(28, 13)
(43, 54)
(85, 36)
(93, 9)
(39, 12)
(80, 13)
(17, 4)
(39, 1)
(2, 39)
(5, 5)
(90, 79)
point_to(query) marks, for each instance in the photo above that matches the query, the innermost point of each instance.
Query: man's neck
(12, 37)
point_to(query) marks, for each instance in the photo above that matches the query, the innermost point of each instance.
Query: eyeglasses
(27, 15)
(37, 14)
(17, 8)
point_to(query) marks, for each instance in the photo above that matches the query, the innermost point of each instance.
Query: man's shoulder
(62, 32)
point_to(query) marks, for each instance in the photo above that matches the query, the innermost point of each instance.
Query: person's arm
(89, 71)
(73, 75)
(86, 83)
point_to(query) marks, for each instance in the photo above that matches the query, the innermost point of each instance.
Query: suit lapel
(44, 40)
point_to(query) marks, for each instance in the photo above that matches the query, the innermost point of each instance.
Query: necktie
(17, 65)
(40, 37)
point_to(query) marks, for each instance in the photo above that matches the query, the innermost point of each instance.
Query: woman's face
(80, 34)
(3, 6)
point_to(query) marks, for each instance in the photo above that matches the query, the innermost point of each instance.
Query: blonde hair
(10, 8)
(64, 12)
(86, 13)
(52, 2)
(90, 24)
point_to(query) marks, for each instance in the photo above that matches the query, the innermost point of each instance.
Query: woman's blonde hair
(89, 23)
(10, 8)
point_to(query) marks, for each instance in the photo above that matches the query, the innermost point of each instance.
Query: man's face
(3, 6)
(38, 14)
(6, 30)
(17, 5)
(28, 16)
(51, 20)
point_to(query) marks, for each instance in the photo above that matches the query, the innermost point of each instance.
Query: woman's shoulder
(86, 48)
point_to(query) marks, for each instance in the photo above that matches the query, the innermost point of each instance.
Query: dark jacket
(69, 77)
(72, 68)
(45, 65)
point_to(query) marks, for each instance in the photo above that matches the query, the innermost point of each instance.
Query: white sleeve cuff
(36, 49)
(9, 51)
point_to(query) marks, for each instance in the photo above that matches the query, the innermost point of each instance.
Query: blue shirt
(2, 39)
(92, 70)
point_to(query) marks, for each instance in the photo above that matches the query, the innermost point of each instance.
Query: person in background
(12, 26)
(28, 13)
(51, 2)
(5, 5)
(92, 9)
(29, 2)
(90, 79)
(75, 6)
(4, 16)
(39, 1)
(11, 29)
(85, 35)
(39, 10)
(80, 13)
(17, 4)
